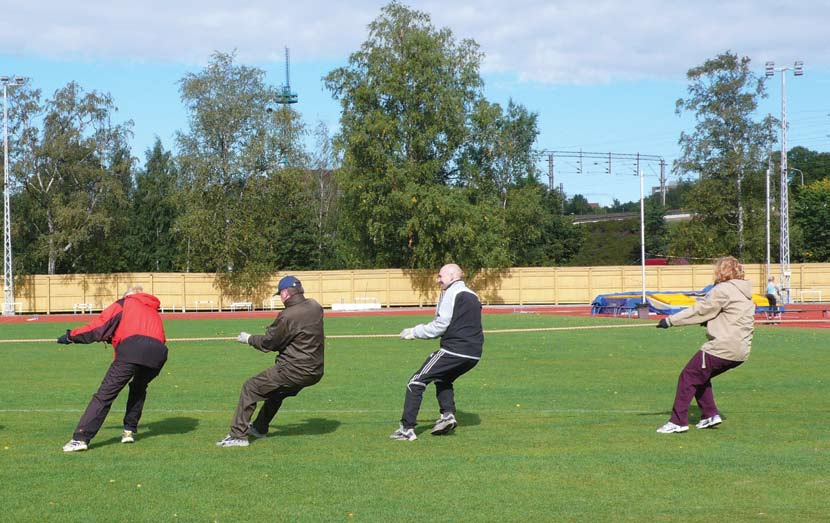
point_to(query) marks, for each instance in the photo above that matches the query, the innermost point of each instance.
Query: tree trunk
(53, 255)
(740, 220)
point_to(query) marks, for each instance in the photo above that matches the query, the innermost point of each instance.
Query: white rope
(359, 336)
(503, 412)
(490, 331)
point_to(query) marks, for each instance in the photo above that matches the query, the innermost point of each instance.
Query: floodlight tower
(8, 274)
(769, 71)
(285, 96)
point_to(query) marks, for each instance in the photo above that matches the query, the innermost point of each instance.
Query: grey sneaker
(75, 445)
(127, 436)
(444, 425)
(708, 423)
(254, 433)
(230, 441)
(404, 434)
(670, 427)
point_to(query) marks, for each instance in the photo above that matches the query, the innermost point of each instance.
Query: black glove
(64, 340)
(663, 324)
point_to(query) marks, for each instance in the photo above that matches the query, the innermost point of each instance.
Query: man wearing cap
(297, 336)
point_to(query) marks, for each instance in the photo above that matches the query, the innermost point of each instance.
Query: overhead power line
(585, 162)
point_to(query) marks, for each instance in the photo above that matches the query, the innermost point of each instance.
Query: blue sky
(603, 76)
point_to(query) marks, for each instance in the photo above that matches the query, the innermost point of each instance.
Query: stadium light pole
(769, 71)
(8, 274)
(766, 277)
(799, 171)
(642, 236)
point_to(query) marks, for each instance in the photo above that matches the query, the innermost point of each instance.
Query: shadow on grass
(179, 425)
(694, 413)
(465, 419)
(308, 427)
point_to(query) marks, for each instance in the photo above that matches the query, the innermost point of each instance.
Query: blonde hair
(728, 268)
(133, 290)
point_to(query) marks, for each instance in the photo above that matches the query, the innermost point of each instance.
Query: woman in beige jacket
(728, 313)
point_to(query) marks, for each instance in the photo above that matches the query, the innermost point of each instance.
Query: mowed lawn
(554, 426)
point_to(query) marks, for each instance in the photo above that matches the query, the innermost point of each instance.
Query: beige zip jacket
(729, 314)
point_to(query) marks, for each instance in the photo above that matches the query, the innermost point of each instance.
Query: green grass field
(554, 426)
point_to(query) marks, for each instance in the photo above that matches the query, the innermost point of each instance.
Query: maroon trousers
(696, 381)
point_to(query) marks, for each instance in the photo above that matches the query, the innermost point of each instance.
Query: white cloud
(555, 41)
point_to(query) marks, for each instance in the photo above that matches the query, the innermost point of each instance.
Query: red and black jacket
(133, 326)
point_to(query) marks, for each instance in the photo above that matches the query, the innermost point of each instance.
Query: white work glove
(408, 334)
(243, 337)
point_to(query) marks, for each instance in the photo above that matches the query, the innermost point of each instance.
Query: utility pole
(662, 182)
(798, 70)
(8, 273)
(551, 185)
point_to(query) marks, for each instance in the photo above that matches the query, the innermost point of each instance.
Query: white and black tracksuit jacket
(457, 321)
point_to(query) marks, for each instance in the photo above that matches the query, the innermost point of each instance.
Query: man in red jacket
(133, 326)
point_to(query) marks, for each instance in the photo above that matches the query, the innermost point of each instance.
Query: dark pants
(443, 369)
(116, 378)
(773, 308)
(269, 387)
(696, 381)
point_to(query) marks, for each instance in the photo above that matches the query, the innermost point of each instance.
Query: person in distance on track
(297, 335)
(134, 327)
(728, 313)
(458, 323)
(772, 296)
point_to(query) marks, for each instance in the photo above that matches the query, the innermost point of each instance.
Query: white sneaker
(708, 423)
(230, 441)
(670, 427)
(254, 433)
(75, 445)
(404, 434)
(444, 425)
(127, 437)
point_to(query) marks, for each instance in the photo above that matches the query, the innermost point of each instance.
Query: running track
(815, 315)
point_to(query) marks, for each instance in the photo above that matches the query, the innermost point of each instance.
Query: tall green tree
(537, 233)
(726, 149)
(324, 165)
(656, 232)
(72, 167)
(811, 213)
(499, 151)
(233, 167)
(406, 98)
(578, 204)
(811, 165)
(151, 243)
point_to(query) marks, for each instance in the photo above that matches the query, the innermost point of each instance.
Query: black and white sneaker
(403, 434)
(444, 425)
(672, 428)
(230, 441)
(75, 445)
(708, 423)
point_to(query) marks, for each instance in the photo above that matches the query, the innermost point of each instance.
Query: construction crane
(285, 97)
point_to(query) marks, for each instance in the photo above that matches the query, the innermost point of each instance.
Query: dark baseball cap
(286, 283)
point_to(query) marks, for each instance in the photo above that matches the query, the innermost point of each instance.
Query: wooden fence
(393, 287)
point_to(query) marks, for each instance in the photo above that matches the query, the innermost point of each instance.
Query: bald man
(458, 323)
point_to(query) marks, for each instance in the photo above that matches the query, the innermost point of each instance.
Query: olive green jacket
(297, 334)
